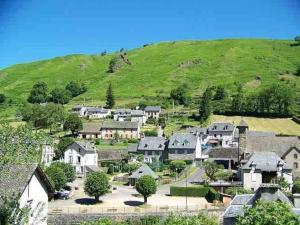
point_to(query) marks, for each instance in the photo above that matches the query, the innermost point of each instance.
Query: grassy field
(158, 68)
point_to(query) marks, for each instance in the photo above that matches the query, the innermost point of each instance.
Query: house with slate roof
(221, 134)
(153, 147)
(125, 129)
(152, 112)
(142, 171)
(29, 182)
(90, 131)
(185, 147)
(83, 155)
(97, 113)
(130, 115)
(265, 168)
(267, 193)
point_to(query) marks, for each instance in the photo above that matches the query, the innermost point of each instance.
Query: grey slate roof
(91, 128)
(182, 141)
(235, 210)
(223, 153)
(152, 143)
(255, 133)
(109, 155)
(152, 109)
(123, 111)
(265, 161)
(194, 130)
(242, 123)
(241, 199)
(132, 148)
(15, 177)
(97, 110)
(137, 113)
(119, 125)
(276, 144)
(221, 127)
(86, 146)
(143, 170)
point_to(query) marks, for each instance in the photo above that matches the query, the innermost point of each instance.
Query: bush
(296, 187)
(192, 191)
(111, 169)
(151, 133)
(152, 121)
(212, 195)
(237, 191)
(177, 165)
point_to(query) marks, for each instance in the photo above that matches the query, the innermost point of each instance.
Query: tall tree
(205, 105)
(73, 123)
(39, 93)
(180, 95)
(146, 186)
(62, 146)
(76, 88)
(96, 184)
(110, 99)
(212, 169)
(61, 96)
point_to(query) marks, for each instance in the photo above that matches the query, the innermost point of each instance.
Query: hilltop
(157, 68)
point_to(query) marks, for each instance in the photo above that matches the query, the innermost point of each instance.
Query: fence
(153, 210)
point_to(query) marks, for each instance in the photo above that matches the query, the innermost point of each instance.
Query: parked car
(62, 194)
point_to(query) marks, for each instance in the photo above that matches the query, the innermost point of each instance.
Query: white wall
(35, 194)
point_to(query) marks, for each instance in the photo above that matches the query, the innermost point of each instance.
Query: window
(220, 135)
(215, 135)
(78, 159)
(71, 159)
(295, 165)
(295, 156)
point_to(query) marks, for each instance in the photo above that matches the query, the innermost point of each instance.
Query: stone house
(130, 115)
(264, 168)
(79, 110)
(97, 112)
(90, 131)
(124, 129)
(152, 147)
(221, 134)
(83, 155)
(152, 112)
(29, 182)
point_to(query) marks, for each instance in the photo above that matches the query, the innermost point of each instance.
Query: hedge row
(192, 191)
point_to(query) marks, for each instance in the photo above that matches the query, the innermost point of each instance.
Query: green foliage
(68, 170)
(237, 191)
(76, 88)
(73, 123)
(282, 182)
(151, 133)
(111, 169)
(297, 39)
(62, 145)
(57, 176)
(2, 98)
(212, 195)
(296, 187)
(39, 93)
(117, 62)
(146, 186)
(180, 95)
(96, 184)
(271, 213)
(60, 96)
(224, 175)
(133, 167)
(212, 169)
(110, 99)
(220, 93)
(191, 191)
(205, 105)
(177, 165)
(140, 158)
(20, 145)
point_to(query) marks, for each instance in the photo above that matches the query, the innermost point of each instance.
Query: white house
(264, 168)
(47, 153)
(221, 134)
(130, 115)
(97, 112)
(83, 155)
(152, 112)
(33, 186)
(79, 110)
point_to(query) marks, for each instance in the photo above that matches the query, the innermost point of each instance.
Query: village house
(185, 147)
(79, 110)
(130, 115)
(221, 134)
(124, 130)
(142, 171)
(90, 131)
(266, 192)
(32, 187)
(47, 153)
(83, 155)
(152, 112)
(153, 147)
(97, 113)
(264, 168)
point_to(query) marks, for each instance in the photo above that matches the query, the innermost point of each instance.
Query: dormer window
(146, 146)
(226, 127)
(160, 146)
(214, 127)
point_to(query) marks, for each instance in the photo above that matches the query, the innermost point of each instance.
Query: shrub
(212, 195)
(111, 169)
(296, 187)
(237, 191)
(151, 133)
(177, 165)
(192, 191)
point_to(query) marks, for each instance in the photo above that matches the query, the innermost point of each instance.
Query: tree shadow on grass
(86, 201)
(133, 203)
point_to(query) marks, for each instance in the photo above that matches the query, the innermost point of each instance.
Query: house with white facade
(29, 182)
(83, 155)
(97, 113)
(152, 112)
(133, 115)
(265, 168)
(47, 153)
(80, 110)
(221, 134)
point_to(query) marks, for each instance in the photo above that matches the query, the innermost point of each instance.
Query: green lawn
(105, 145)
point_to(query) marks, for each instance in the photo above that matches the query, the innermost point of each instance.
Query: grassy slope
(155, 69)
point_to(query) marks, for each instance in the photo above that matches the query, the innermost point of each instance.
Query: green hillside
(158, 68)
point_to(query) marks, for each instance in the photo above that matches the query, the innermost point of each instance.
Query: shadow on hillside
(133, 203)
(86, 201)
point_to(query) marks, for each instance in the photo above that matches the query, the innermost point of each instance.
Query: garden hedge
(192, 191)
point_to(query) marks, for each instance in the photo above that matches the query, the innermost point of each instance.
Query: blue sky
(39, 29)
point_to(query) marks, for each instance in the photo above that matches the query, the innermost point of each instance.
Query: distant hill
(157, 68)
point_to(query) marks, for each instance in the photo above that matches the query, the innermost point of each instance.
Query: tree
(96, 184)
(212, 169)
(60, 96)
(2, 98)
(133, 167)
(224, 175)
(62, 146)
(76, 88)
(237, 99)
(205, 105)
(73, 123)
(220, 93)
(146, 186)
(110, 99)
(39, 93)
(57, 176)
(180, 95)
(177, 165)
(282, 182)
(68, 170)
(271, 213)
(297, 39)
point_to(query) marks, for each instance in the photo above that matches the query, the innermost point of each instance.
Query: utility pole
(186, 207)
